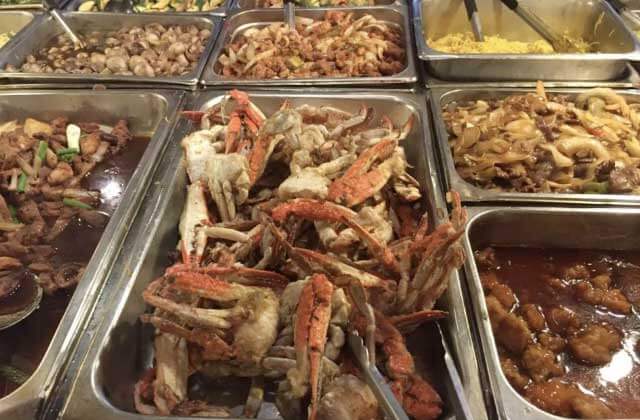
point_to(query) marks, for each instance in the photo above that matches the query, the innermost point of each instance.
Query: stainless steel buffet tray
(253, 4)
(150, 115)
(34, 6)
(243, 20)
(47, 29)
(539, 227)
(441, 97)
(122, 347)
(594, 20)
(221, 10)
(17, 22)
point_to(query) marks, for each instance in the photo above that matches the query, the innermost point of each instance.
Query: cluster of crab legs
(301, 256)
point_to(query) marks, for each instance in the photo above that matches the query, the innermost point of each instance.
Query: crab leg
(235, 275)
(232, 137)
(359, 183)
(333, 266)
(326, 211)
(194, 216)
(172, 371)
(312, 323)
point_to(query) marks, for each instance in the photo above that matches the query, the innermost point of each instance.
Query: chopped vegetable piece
(22, 182)
(42, 150)
(10, 227)
(73, 136)
(14, 375)
(72, 202)
(596, 187)
(67, 154)
(14, 213)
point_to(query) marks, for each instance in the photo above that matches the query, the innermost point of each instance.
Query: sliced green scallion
(22, 182)
(42, 149)
(71, 202)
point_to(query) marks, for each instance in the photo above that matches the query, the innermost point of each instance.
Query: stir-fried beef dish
(567, 327)
(545, 142)
(339, 45)
(297, 227)
(50, 222)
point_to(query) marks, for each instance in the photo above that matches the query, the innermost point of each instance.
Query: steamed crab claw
(360, 182)
(248, 108)
(417, 396)
(194, 218)
(283, 123)
(238, 335)
(374, 136)
(198, 146)
(352, 122)
(330, 212)
(235, 274)
(441, 253)
(310, 336)
(313, 181)
(228, 180)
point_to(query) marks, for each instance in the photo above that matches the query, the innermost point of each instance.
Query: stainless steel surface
(455, 388)
(631, 79)
(290, 13)
(390, 405)
(253, 4)
(17, 22)
(541, 227)
(437, 18)
(241, 21)
(471, 194)
(77, 42)
(148, 114)
(33, 6)
(82, 22)
(121, 346)
(9, 320)
(221, 10)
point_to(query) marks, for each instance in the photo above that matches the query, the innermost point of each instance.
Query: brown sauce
(23, 345)
(616, 383)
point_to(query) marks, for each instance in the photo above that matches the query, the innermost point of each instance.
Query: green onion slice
(72, 202)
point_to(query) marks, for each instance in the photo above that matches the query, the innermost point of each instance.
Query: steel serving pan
(122, 347)
(149, 114)
(243, 20)
(17, 22)
(221, 10)
(595, 20)
(441, 97)
(46, 30)
(253, 4)
(35, 6)
(540, 227)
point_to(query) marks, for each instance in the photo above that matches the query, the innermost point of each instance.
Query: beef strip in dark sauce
(567, 327)
(58, 249)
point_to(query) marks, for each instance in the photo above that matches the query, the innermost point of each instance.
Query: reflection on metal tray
(541, 227)
(29, 5)
(122, 347)
(441, 97)
(149, 115)
(16, 22)
(46, 30)
(221, 10)
(593, 20)
(244, 20)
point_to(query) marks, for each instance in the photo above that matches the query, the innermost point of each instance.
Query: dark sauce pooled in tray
(526, 271)
(23, 345)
